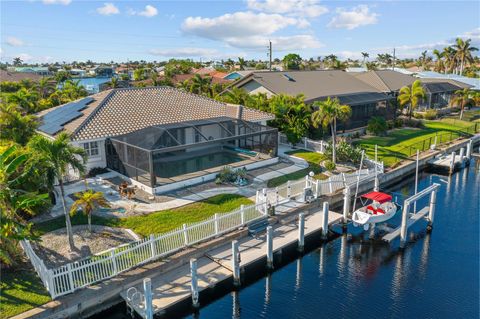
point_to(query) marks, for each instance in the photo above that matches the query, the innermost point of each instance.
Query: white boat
(380, 210)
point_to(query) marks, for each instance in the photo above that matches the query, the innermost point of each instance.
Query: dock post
(462, 153)
(269, 247)
(404, 226)
(346, 205)
(147, 291)
(376, 187)
(307, 180)
(431, 211)
(301, 232)
(469, 149)
(452, 163)
(235, 263)
(325, 220)
(194, 283)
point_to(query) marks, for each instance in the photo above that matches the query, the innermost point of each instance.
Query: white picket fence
(305, 143)
(72, 276)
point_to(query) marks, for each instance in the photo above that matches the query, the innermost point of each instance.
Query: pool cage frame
(135, 154)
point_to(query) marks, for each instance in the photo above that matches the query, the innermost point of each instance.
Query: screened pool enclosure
(162, 154)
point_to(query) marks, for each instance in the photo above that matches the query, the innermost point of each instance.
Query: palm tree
(463, 52)
(241, 63)
(15, 126)
(200, 84)
(88, 201)
(113, 82)
(439, 64)
(44, 86)
(450, 60)
(411, 96)
(25, 99)
(14, 203)
(462, 98)
(58, 156)
(365, 55)
(328, 112)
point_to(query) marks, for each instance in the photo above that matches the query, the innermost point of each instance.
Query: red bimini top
(378, 197)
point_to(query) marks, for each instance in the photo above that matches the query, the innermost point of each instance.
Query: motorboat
(379, 210)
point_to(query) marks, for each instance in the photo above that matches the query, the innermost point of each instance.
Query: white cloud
(108, 9)
(150, 11)
(185, 52)
(279, 43)
(303, 8)
(14, 42)
(64, 2)
(356, 17)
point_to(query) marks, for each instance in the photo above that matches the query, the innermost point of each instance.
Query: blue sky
(67, 30)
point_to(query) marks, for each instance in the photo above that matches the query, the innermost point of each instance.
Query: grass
(402, 143)
(313, 160)
(21, 290)
(157, 222)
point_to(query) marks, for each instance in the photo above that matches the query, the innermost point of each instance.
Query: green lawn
(402, 143)
(158, 222)
(313, 160)
(21, 290)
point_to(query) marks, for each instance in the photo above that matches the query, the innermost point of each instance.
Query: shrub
(345, 152)
(329, 165)
(418, 115)
(390, 124)
(377, 125)
(229, 175)
(430, 115)
(412, 123)
(398, 123)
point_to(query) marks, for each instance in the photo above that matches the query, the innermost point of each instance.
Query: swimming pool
(168, 169)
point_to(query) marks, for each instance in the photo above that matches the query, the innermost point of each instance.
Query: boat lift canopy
(378, 197)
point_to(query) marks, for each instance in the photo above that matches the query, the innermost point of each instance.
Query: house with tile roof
(163, 138)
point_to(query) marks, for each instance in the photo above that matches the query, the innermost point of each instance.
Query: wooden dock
(215, 265)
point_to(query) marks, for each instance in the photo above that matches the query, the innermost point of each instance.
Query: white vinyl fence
(72, 276)
(306, 143)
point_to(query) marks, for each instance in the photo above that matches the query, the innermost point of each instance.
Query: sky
(41, 31)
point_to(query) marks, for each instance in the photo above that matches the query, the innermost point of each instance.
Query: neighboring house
(163, 138)
(39, 70)
(473, 82)
(235, 75)
(18, 76)
(365, 100)
(356, 69)
(438, 91)
(102, 71)
(180, 78)
(78, 72)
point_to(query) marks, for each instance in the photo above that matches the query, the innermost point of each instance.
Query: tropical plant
(87, 202)
(25, 99)
(411, 96)
(57, 157)
(200, 84)
(365, 56)
(62, 76)
(241, 63)
(15, 126)
(462, 98)
(463, 52)
(377, 125)
(17, 61)
(113, 82)
(14, 204)
(45, 87)
(292, 61)
(327, 114)
(439, 63)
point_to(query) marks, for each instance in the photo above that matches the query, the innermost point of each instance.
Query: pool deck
(215, 266)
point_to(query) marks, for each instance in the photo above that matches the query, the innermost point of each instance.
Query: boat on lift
(379, 210)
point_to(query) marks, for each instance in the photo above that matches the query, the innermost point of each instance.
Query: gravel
(54, 249)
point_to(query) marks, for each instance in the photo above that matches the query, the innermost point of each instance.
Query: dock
(215, 266)
(450, 163)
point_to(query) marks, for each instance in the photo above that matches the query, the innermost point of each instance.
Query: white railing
(72, 276)
(306, 143)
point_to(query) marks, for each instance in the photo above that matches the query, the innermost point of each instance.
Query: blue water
(435, 276)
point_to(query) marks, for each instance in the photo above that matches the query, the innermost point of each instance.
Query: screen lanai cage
(162, 154)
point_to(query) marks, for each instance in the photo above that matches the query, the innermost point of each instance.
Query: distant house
(162, 138)
(438, 91)
(365, 100)
(473, 82)
(235, 75)
(18, 76)
(39, 70)
(102, 71)
(78, 72)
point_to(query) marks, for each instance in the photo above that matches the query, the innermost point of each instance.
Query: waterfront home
(365, 100)
(163, 138)
(39, 70)
(438, 91)
(102, 71)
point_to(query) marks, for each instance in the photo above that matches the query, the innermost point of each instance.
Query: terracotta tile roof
(121, 111)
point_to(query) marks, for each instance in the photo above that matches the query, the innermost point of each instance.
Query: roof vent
(288, 77)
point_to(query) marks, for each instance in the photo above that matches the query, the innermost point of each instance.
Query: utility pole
(270, 55)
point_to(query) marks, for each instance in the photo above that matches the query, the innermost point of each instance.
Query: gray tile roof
(120, 111)
(314, 85)
(386, 80)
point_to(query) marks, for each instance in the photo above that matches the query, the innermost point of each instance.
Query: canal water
(435, 276)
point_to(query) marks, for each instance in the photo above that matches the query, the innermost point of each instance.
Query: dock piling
(404, 226)
(235, 263)
(431, 211)
(269, 247)
(325, 220)
(301, 232)
(346, 205)
(462, 153)
(452, 163)
(147, 291)
(194, 282)
(469, 149)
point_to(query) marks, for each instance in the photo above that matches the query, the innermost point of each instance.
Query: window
(91, 148)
